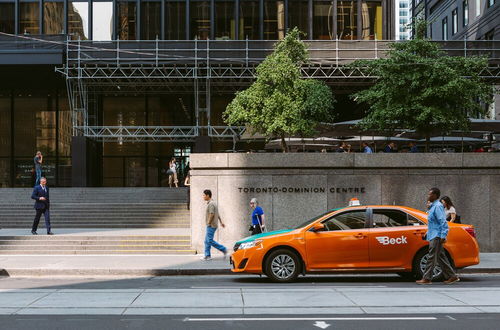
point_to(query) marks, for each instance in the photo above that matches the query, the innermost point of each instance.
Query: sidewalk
(147, 265)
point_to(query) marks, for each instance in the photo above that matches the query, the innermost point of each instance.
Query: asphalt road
(231, 281)
(275, 322)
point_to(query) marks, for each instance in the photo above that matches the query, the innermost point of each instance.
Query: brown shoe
(452, 280)
(424, 282)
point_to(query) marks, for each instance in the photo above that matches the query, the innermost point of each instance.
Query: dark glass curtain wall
(201, 19)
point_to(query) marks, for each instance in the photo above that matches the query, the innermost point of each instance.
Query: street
(248, 302)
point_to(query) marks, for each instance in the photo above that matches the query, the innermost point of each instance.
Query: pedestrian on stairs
(212, 219)
(42, 205)
(172, 173)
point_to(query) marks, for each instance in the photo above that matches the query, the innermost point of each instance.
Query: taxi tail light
(471, 231)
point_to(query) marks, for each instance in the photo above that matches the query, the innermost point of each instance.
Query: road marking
(321, 324)
(412, 318)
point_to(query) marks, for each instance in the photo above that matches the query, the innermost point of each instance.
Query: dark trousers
(46, 214)
(256, 230)
(437, 256)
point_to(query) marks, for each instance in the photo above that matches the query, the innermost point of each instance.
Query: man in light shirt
(212, 219)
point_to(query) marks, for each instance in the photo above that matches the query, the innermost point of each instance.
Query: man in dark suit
(42, 205)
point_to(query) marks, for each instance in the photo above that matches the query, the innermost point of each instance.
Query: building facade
(460, 19)
(403, 19)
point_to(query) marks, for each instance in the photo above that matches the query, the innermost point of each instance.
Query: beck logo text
(386, 240)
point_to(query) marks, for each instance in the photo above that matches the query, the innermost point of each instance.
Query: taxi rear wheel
(420, 263)
(282, 266)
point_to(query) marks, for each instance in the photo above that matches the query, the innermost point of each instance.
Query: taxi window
(412, 221)
(389, 218)
(346, 221)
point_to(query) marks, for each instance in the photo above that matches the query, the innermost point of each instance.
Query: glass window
(53, 17)
(127, 20)
(29, 18)
(297, 15)
(389, 218)
(4, 172)
(465, 9)
(7, 18)
(322, 20)
(5, 126)
(249, 20)
(454, 21)
(372, 20)
(65, 128)
(478, 7)
(274, 20)
(490, 3)
(78, 19)
(224, 20)
(347, 15)
(175, 20)
(403, 20)
(346, 221)
(403, 5)
(102, 20)
(444, 27)
(150, 20)
(200, 20)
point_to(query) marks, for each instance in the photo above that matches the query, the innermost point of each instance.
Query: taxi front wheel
(282, 266)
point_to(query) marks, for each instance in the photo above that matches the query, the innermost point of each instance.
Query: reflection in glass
(65, 128)
(4, 126)
(7, 17)
(78, 19)
(200, 19)
(224, 20)
(297, 15)
(249, 20)
(347, 16)
(274, 20)
(102, 20)
(127, 18)
(372, 20)
(53, 17)
(4, 172)
(29, 18)
(150, 20)
(322, 20)
(175, 20)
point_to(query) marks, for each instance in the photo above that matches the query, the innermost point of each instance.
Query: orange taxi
(374, 238)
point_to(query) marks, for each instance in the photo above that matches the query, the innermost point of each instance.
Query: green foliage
(280, 103)
(421, 88)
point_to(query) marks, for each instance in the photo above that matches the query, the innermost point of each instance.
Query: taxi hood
(262, 235)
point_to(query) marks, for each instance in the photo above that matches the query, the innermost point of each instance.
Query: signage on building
(301, 190)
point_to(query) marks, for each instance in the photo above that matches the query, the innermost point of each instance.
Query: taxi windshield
(314, 219)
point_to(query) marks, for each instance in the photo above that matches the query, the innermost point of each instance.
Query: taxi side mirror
(318, 227)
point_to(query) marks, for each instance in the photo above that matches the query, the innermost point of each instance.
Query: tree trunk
(284, 147)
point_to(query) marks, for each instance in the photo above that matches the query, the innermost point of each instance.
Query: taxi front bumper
(247, 261)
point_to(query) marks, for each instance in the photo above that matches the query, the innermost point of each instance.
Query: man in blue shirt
(257, 217)
(437, 230)
(367, 149)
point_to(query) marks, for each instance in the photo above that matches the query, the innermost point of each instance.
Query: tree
(280, 103)
(421, 88)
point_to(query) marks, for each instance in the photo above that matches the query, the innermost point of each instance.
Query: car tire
(419, 263)
(282, 266)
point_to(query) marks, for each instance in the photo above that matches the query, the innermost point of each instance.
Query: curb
(160, 272)
(111, 272)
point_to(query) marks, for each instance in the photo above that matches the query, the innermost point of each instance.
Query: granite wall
(295, 187)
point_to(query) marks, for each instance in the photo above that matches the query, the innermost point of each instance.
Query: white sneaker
(206, 258)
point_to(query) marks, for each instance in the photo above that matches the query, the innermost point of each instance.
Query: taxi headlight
(248, 245)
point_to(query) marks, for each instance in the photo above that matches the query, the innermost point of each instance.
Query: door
(343, 243)
(394, 238)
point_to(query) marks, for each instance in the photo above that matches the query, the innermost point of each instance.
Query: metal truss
(157, 133)
(209, 67)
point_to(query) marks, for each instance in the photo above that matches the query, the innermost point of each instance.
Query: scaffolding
(204, 67)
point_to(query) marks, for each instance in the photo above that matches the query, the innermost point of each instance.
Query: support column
(86, 165)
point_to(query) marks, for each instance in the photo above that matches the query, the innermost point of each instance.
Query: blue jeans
(209, 242)
(38, 172)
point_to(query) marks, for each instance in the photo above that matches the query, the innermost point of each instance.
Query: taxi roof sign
(354, 202)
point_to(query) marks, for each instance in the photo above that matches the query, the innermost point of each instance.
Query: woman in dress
(172, 173)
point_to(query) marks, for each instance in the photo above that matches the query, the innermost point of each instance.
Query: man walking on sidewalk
(212, 219)
(437, 230)
(42, 205)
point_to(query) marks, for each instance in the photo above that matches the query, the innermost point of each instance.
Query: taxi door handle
(418, 232)
(360, 235)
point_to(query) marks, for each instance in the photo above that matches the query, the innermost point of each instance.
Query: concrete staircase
(86, 220)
